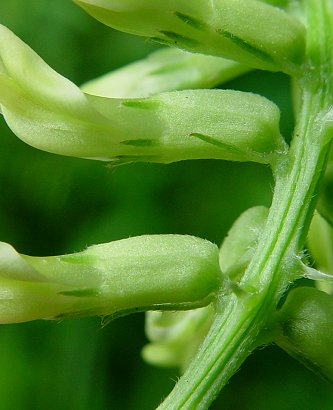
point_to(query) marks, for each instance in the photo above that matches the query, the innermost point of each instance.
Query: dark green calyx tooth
(81, 293)
(191, 21)
(257, 52)
(160, 40)
(139, 143)
(78, 313)
(214, 141)
(180, 39)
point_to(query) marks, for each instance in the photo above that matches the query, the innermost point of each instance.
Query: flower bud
(325, 201)
(320, 245)
(136, 274)
(252, 32)
(305, 329)
(239, 246)
(175, 336)
(167, 69)
(50, 113)
(195, 124)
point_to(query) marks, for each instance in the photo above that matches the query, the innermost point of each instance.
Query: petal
(167, 69)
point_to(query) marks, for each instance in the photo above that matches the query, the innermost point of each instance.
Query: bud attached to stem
(163, 272)
(50, 113)
(175, 336)
(305, 329)
(252, 32)
(320, 245)
(239, 245)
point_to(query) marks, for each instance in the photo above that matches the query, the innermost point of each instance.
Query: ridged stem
(241, 317)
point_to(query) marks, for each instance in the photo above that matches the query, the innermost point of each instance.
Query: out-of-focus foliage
(53, 205)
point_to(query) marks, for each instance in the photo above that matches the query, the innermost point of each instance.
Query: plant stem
(241, 317)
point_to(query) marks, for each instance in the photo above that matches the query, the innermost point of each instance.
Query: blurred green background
(51, 205)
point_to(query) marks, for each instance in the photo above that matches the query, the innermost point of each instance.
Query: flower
(159, 272)
(252, 32)
(50, 113)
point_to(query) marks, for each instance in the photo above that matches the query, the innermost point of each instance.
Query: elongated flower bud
(50, 113)
(325, 201)
(167, 69)
(195, 124)
(240, 244)
(141, 273)
(320, 245)
(175, 336)
(305, 329)
(252, 32)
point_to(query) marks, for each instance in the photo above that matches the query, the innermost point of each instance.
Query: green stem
(240, 318)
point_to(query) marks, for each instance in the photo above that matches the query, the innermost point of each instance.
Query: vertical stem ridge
(241, 318)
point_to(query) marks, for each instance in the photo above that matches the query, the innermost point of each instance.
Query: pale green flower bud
(167, 69)
(305, 329)
(325, 200)
(163, 272)
(175, 336)
(195, 124)
(50, 113)
(320, 245)
(252, 32)
(239, 245)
